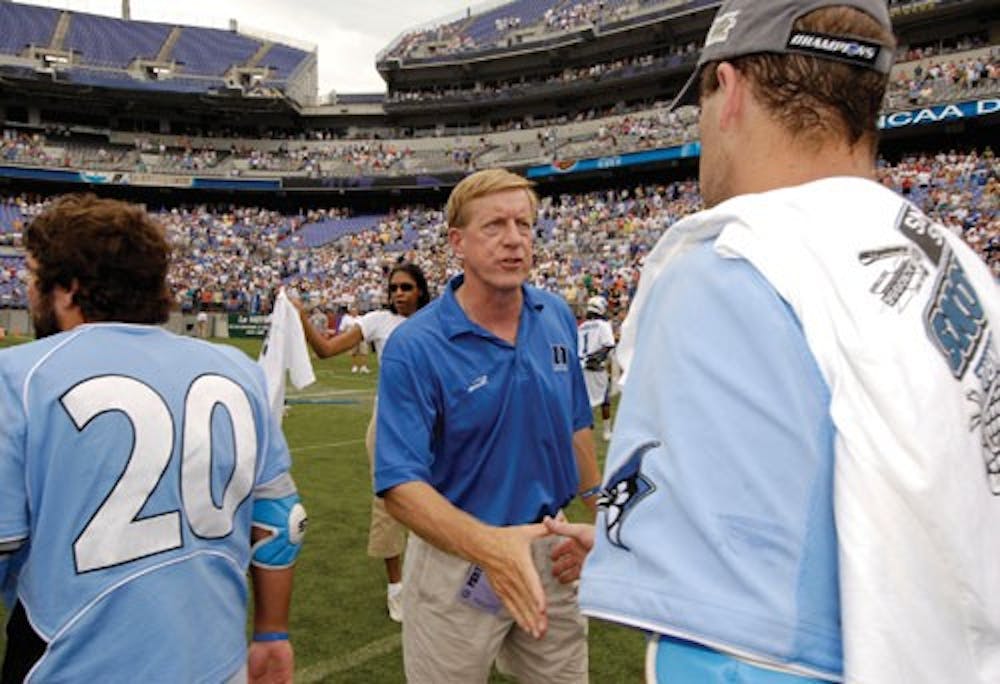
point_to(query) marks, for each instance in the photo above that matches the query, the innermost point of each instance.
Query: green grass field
(340, 628)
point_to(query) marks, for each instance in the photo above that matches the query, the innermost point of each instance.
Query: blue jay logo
(626, 488)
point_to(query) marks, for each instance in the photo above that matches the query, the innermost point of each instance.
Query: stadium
(263, 184)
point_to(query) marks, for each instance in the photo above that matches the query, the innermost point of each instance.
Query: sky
(348, 33)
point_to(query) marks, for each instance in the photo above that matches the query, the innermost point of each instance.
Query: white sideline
(321, 671)
(331, 445)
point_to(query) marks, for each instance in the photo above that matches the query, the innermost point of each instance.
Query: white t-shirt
(347, 321)
(376, 326)
(284, 349)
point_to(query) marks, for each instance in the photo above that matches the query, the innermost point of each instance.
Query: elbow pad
(285, 521)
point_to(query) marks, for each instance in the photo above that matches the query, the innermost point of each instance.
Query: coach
(482, 405)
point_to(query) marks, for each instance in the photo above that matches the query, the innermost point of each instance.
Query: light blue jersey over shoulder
(717, 525)
(487, 423)
(128, 461)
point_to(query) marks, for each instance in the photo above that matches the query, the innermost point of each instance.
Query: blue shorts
(675, 661)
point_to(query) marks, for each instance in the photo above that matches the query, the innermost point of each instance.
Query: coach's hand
(514, 578)
(568, 557)
(270, 662)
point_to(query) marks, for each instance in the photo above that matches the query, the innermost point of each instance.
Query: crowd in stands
(23, 147)
(914, 84)
(490, 90)
(466, 34)
(566, 17)
(235, 258)
(938, 72)
(939, 48)
(921, 83)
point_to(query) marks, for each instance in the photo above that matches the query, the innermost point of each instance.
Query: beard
(43, 317)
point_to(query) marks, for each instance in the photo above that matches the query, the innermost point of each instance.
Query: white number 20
(114, 535)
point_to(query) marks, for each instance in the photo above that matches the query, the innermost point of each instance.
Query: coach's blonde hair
(480, 184)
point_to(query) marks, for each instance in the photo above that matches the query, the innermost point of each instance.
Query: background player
(139, 474)
(359, 352)
(596, 341)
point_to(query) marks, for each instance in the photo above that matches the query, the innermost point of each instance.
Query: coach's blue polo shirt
(486, 423)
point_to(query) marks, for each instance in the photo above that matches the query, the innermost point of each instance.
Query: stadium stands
(24, 25)
(533, 20)
(317, 234)
(235, 258)
(489, 27)
(283, 59)
(105, 41)
(209, 51)
(107, 52)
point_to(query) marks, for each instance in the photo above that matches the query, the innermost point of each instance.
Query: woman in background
(407, 294)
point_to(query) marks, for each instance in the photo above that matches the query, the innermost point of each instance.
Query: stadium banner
(104, 177)
(938, 113)
(443, 179)
(58, 176)
(685, 151)
(912, 7)
(247, 325)
(236, 184)
(159, 180)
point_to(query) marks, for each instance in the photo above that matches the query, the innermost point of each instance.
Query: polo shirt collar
(455, 322)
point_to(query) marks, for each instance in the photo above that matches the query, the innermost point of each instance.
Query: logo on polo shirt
(478, 383)
(560, 357)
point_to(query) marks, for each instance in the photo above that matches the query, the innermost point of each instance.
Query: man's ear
(63, 297)
(733, 90)
(67, 311)
(455, 236)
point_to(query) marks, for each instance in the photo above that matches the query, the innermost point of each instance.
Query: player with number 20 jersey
(141, 473)
(139, 469)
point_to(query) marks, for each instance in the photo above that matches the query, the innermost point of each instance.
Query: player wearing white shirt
(596, 341)
(141, 475)
(804, 482)
(359, 352)
(318, 319)
(407, 293)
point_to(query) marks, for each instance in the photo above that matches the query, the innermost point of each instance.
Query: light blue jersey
(128, 462)
(717, 521)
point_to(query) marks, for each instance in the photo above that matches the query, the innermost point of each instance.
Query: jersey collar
(455, 322)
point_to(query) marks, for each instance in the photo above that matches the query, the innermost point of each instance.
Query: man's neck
(776, 160)
(498, 311)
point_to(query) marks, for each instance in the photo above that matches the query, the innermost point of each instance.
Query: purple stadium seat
(316, 234)
(284, 60)
(113, 42)
(211, 51)
(23, 25)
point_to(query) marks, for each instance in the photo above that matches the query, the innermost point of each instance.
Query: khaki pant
(446, 640)
(386, 536)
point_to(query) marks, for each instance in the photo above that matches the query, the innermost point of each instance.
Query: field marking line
(329, 393)
(375, 649)
(330, 445)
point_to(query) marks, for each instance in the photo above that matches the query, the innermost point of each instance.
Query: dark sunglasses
(405, 287)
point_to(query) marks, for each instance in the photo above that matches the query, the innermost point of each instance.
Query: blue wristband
(270, 636)
(596, 489)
